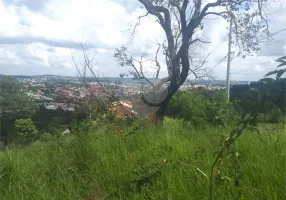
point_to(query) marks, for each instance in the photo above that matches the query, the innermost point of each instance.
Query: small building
(50, 107)
(123, 109)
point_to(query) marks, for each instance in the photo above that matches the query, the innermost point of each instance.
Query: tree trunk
(158, 116)
(177, 79)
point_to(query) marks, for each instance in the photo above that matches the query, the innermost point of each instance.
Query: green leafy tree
(14, 104)
(25, 130)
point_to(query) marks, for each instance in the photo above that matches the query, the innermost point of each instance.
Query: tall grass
(171, 162)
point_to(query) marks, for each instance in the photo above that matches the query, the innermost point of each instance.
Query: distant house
(51, 107)
(123, 109)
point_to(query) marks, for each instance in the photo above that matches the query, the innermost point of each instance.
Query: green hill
(171, 162)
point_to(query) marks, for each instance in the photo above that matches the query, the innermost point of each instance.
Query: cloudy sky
(41, 36)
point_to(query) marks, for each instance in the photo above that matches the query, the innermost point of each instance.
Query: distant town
(55, 92)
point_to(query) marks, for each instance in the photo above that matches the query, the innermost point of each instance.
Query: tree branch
(157, 62)
(162, 82)
(183, 14)
(198, 40)
(141, 70)
(209, 5)
(165, 22)
(221, 14)
(137, 24)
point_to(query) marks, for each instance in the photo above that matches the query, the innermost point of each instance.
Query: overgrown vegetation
(208, 148)
(201, 108)
(171, 162)
(14, 104)
(25, 130)
(268, 95)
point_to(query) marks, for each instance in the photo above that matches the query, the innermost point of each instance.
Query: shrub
(54, 130)
(81, 127)
(268, 99)
(25, 130)
(201, 108)
(45, 137)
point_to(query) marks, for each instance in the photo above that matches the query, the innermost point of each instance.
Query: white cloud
(39, 38)
(258, 68)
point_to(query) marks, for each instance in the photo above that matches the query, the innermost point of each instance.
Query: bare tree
(98, 96)
(180, 20)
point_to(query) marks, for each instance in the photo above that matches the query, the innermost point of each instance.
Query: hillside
(171, 162)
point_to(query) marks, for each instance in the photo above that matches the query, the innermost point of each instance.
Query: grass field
(171, 162)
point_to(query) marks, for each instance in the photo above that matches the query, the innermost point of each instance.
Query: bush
(82, 127)
(54, 130)
(267, 96)
(202, 108)
(266, 99)
(45, 137)
(25, 130)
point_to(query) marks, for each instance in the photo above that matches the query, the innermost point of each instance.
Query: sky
(42, 36)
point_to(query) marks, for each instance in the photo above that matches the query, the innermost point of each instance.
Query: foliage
(45, 137)
(89, 109)
(247, 122)
(267, 95)
(97, 164)
(143, 177)
(202, 108)
(279, 72)
(14, 104)
(81, 127)
(267, 98)
(54, 130)
(254, 101)
(25, 130)
(14, 101)
(44, 117)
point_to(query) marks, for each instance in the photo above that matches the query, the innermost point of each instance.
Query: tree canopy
(14, 104)
(25, 130)
(14, 101)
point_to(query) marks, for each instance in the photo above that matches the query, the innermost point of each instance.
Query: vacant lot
(172, 162)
